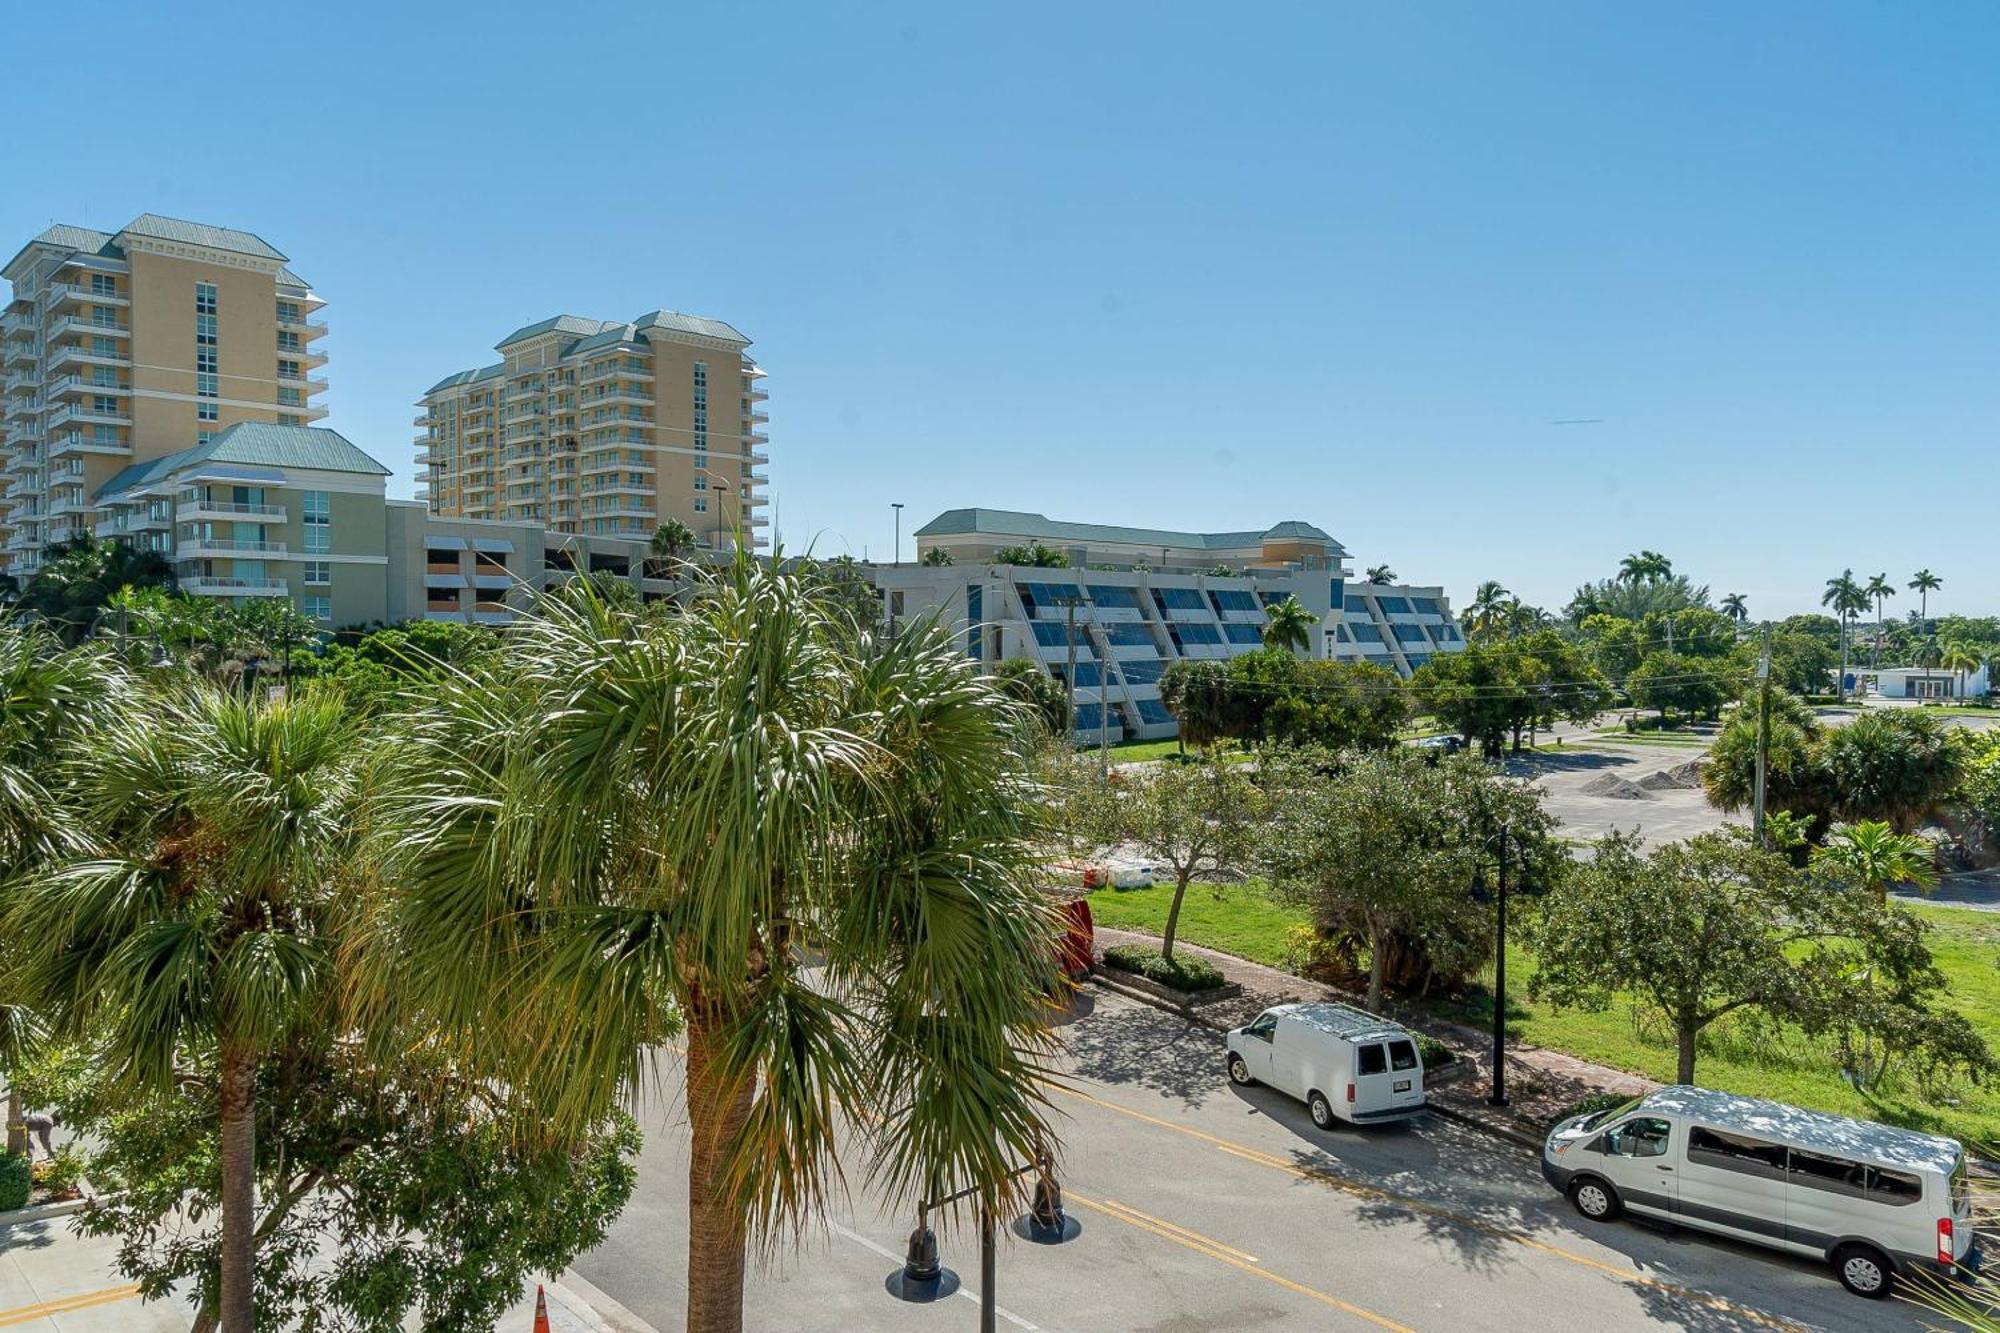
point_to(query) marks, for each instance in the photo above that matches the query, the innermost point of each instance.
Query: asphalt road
(1205, 1207)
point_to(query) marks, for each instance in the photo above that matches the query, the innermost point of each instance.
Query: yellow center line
(1377, 1194)
(1224, 1254)
(24, 1313)
(1195, 1236)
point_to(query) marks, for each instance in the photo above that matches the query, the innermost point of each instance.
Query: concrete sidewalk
(55, 1281)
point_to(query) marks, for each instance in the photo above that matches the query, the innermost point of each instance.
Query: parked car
(1442, 744)
(1343, 1063)
(1873, 1201)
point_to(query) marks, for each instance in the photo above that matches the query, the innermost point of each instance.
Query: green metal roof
(1036, 527)
(256, 444)
(576, 324)
(695, 324)
(468, 377)
(74, 238)
(287, 278)
(611, 337)
(202, 234)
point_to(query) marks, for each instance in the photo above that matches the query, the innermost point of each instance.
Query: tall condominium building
(604, 428)
(1130, 602)
(121, 347)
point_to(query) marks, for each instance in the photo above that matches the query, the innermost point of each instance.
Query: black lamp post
(1498, 1096)
(923, 1278)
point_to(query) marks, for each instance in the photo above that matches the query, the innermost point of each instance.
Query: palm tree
(48, 696)
(1924, 584)
(1879, 590)
(1488, 611)
(1381, 574)
(1960, 659)
(1871, 855)
(81, 575)
(1645, 567)
(1844, 597)
(1736, 608)
(938, 557)
(629, 825)
(1288, 625)
(197, 918)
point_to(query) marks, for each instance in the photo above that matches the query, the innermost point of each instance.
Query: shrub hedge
(17, 1180)
(1182, 973)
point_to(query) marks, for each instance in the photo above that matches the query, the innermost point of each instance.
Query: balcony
(80, 414)
(17, 324)
(234, 513)
(758, 457)
(69, 326)
(758, 393)
(61, 386)
(18, 353)
(76, 442)
(308, 384)
(307, 329)
(69, 502)
(23, 409)
(760, 418)
(60, 294)
(613, 397)
(209, 585)
(194, 548)
(80, 354)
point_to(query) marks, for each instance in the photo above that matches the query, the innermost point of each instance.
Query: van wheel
(1595, 1199)
(1320, 1109)
(1239, 1073)
(1863, 1270)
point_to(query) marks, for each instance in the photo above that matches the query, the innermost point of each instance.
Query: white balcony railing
(213, 586)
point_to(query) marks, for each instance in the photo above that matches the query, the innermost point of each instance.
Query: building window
(104, 404)
(319, 608)
(103, 377)
(104, 435)
(288, 396)
(103, 284)
(204, 298)
(204, 436)
(288, 311)
(700, 482)
(102, 346)
(701, 408)
(288, 342)
(700, 505)
(206, 410)
(318, 528)
(318, 573)
(288, 419)
(288, 370)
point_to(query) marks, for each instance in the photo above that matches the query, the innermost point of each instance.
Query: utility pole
(1104, 718)
(1499, 1094)
(1069, 677)
(1763, 735)
(897, 506)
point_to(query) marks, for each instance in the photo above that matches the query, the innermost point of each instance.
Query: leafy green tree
(1879, 590)
(1380, 574)
(1795, 782)
(686, 806)
(199, 915)
(1673, 682)
(1273, 696)
(1382, 849)
(1196, 819)
(1895, 765)
(1697, 930)
(935, 558)
(1032, 685)
(1924, 583)
(1628, 599)
(1288, 626)
(442, 1192)
(1489, 693)
(673, 541)
(1800, 662)
(1203, 704)
(1486, 614)
(48, 698)
(1615, 644)
(1961, 659)
(1033, 555)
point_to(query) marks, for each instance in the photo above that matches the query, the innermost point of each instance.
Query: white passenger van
(1871, 1200)
(1342, 1062)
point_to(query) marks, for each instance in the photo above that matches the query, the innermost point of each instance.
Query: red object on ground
(1079, 942)
(1094, 877)
(541, 1310)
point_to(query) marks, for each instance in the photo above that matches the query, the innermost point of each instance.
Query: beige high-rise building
(121, 347)
(604, 428)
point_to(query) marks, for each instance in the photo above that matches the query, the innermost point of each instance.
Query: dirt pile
(1681, 777)
(1615, 787)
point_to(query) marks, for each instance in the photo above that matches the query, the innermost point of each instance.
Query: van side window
(1369, 1059)
(1262, 1029)
(1641, 1137)
(1896, 1187)
(1836, 1175)
(1402, 1054)
(1736, 1152)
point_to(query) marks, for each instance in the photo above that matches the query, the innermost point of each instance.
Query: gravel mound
(1681, 777)
(1617, 788)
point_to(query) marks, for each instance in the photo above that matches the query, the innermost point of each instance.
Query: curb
(42, 1212)
(593, 1307)
(1501, 1132)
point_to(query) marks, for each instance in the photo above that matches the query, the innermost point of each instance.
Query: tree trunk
(239, 1185)
(1173, 917)
(718, 1106)
(1684, 1033)
(17, 1133)
(1377, 963)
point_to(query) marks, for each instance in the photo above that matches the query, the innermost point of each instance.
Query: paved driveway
(1209, 1208)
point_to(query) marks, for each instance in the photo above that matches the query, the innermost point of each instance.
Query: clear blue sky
(1183, 265)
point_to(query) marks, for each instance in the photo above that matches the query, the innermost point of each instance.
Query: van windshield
(1596, 1118)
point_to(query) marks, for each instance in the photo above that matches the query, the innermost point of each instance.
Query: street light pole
(1499, 1095)
(897, 506)
(1763, 736)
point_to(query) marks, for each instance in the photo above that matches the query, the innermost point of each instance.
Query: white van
(1871, 1200)
(1342, 1062)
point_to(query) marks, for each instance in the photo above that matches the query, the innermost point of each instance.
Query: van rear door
(1388, 1077)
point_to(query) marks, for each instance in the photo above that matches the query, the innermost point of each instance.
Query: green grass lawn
(1747, 1055)
(1131, 752)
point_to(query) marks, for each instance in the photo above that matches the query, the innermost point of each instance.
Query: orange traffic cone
(541, 1310)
